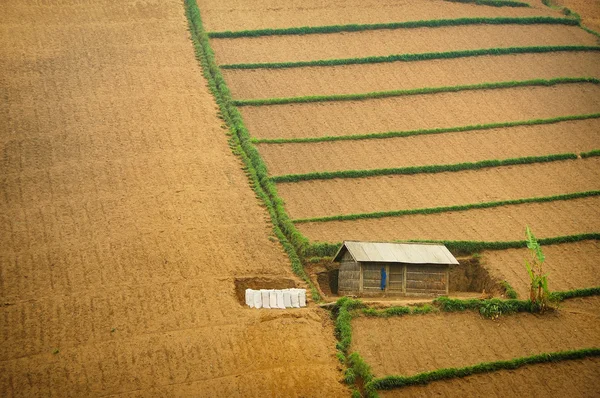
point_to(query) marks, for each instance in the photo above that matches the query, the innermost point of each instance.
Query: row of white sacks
(267, 298)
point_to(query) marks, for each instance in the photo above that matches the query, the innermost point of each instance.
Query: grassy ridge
(392, 382)
(461, 247)
(306, 30)
(493, 3)
(329, 175)
(412, 57)
(590, 154)
(569, 294)
(418, 91)
(283, 228)
(443, 209)
(393, 134)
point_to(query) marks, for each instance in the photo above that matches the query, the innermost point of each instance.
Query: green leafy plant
(539, 294)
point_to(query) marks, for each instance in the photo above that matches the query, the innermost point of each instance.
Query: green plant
(539, 293)
(424, 309)
(508, 290)
(493, 3)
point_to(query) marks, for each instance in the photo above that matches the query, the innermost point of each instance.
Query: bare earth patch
(413, 344)
(420, 111)
(577, 216)
(395, 41)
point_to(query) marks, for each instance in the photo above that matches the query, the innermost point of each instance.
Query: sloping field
(118, 253)
(349, 79)
(420, 111)
(570, 266)
(395, 41)
(241, 15)
(568, 378)
(414, 344)
(319, 198)
(471, 146)
(495, 224)
(589, 10)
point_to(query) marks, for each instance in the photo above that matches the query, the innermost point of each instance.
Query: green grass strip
(412, 57)
(328, 175)
(306, 30)
(590, 154)
(392, 382)
(444, 209)
(493, 3)
(289, 237)
(417, 91)
(394, 134)
(324, 249)
(569, 294)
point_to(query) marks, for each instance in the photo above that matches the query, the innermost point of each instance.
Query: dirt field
(355, 195)
(589, 10)
(415, 344)
(565, 137)
(570, 266)
(237, 15)
(396, 41)
(569, 378)
(495, 224)
(125, 218)
(349, 79)
(420, 111)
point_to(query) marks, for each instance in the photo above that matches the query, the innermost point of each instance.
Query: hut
(379, 268)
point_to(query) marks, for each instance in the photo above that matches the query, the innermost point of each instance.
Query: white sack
(249, 298)
(280, 303)
(272, 299)
(265, 298)
(257, 299)
(294, 296)
(302, 298)
(287, 301)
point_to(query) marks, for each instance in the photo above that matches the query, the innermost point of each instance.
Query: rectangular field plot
(449, 148)
(577, 378)
(570, 266)
(351, 79)
(394, 41)
(319, 198)
(571, 217)
(426, 111)
(414, 344)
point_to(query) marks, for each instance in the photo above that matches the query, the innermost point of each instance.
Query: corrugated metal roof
(410, 253)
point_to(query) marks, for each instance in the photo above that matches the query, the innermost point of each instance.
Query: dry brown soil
(237, 15)
(577, 216)
(125, 218)
(568, 378)
(565, 137)
(569, 265)
(413, 344)
(420, 111)
(352, 79)
(318, 198)
(396, 41)
(589, 10)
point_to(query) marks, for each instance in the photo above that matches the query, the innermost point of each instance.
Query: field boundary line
(417, 91)
(239, 141)
(409, 133)
(412, 57)
(444, 209)
(435, 23)
(493, 3)
(394, 382)
(441, 168)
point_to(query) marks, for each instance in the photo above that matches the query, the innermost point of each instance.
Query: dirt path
(397, 41)
(124, 219)
(568, 378)
(352, 79)
(420, 111)
(415, 344)
(495, 224)
(565, 137)
(570, 266)
(355, 195)
(241, 15)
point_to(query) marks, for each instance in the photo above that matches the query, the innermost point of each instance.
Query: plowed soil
(420, 111)
(414, 344)
(567, 378)
(565, 137)
(570, 266)
(589, 10)
(356, 195)
(508, 223)
(396, 41)
(351, 79)
(236, 15)
(125, 218)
